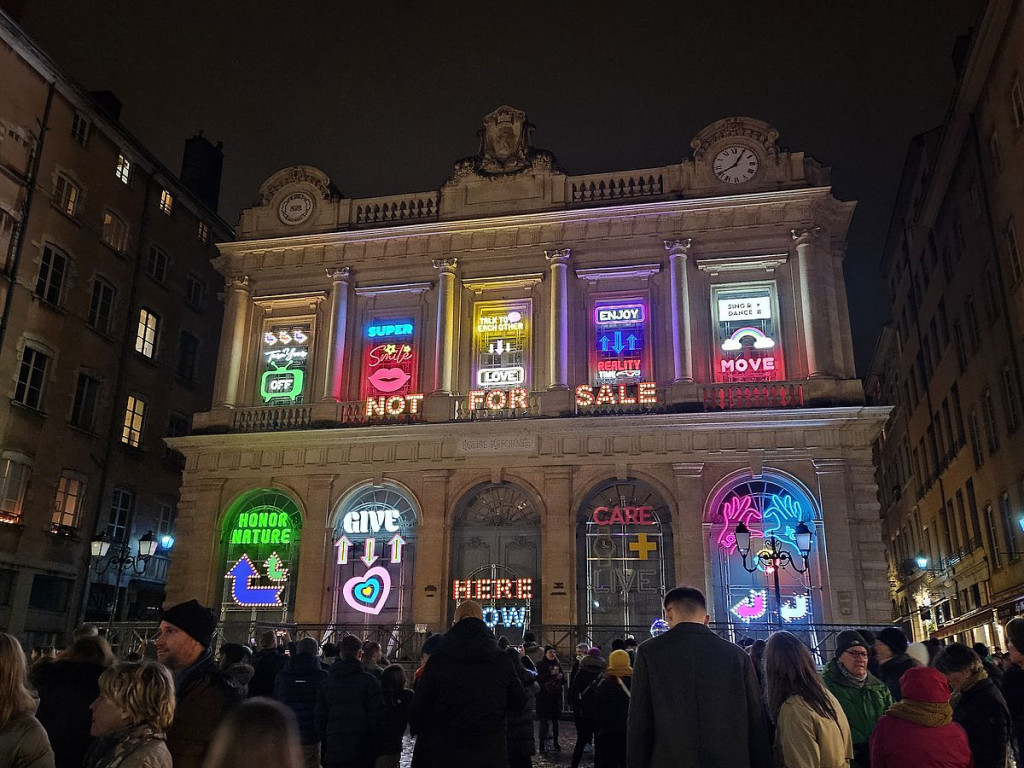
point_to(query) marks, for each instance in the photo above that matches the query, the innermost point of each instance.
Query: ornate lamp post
(773, 556)
(121, 560)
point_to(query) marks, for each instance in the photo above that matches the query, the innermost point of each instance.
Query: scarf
(932, 715)
(856, 682)
(110, 751)
(969, 683)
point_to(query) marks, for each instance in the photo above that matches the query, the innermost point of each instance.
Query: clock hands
(738, 159)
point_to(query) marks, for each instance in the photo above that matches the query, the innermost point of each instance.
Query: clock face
(295, 208)
(736, 164)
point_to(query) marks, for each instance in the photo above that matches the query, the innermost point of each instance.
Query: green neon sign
(281, 382)
(263, 525)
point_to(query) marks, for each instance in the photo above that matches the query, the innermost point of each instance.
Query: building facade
(109, 326)
(555, 394)
(951, 464)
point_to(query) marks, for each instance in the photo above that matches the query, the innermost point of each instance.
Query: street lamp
(921, 561)
(121, 560)
(773, 556)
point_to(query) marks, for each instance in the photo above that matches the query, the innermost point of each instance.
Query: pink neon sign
(369, 592)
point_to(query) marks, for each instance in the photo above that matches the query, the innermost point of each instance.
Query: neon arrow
(618, 346)
(603, 341)
(396, 544)
(275, 568)
(343, 544)
(631, 340)
(369, 557)
(241, 575)
(795, 610)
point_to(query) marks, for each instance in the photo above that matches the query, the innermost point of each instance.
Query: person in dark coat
(234, 659)
(891, 652)
(522, 745)
(918, 731)
(582, 649)
(266, 663)
(204, 694)
(590, 670)
(66, 687)
(995, 674)
(349, 711)
(978, 705)
(430, 646)
(694, 699)
(296, 687)
(1013, 682)
(611, 712)
(463, 699)
(397, 699)
(551, 679)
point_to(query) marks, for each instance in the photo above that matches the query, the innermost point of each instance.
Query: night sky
(385, 98)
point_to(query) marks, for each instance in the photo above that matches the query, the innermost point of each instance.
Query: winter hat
(618, 664)
(894, 638)
(925, 684)
(1015, 633)
(307, 646)
(594, 652)
(195, 620)
(469, 609)
(432, 644)
(848, 639)
(919, 653)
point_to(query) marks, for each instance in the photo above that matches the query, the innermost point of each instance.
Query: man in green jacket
(863, 696)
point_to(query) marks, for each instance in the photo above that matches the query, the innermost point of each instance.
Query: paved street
(567, 740)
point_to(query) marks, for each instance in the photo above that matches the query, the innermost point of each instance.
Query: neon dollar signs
(275, 569)
(243, 593)
(795, 609)
(751, 608)
(369, 592)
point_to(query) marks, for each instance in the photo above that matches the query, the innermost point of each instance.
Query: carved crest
(750, 128)
(505, 141)
(298, 175)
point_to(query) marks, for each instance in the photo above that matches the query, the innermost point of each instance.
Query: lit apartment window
(65, 195)
(123, 172)
(83, 408)
(990, 421)
(120, 510)
(101, 305)
(67, 505)
(31, 377)
(134, 420)
(996, 152)
(80, 129)
(50, 280)
(146, 335)
(166, 202)
(204, 232)
(1017, 103)
(115, 232)
(13, 482)
(194, 291)
(156, 266)
(1013, 248)
(1010, 398)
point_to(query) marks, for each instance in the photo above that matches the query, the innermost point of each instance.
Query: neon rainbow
(734, 343)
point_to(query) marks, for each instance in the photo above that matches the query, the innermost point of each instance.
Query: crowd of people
(684, 699)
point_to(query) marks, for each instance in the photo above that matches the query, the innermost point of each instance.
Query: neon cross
(642, 546)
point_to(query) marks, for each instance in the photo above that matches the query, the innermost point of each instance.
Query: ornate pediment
(505, 149)
(299, 175)
(748, 128)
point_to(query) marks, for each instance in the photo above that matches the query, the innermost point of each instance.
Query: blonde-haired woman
(135, 706)
(258, 731)
(23, 742)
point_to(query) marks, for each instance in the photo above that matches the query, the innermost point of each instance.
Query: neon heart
(369, 592)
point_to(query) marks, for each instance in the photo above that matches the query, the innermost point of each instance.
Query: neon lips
(388, 379)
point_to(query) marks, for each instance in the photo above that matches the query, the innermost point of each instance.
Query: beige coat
(23, 744)
(805, 739)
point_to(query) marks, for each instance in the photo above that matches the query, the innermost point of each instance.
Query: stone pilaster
(444, 342)
(692, 566)
(195, 570)
(430, 587)
(558, 342)
(337, 330)
(233, 340)
(837, 546)
(558, 548)
(316, 569)
(682, 340)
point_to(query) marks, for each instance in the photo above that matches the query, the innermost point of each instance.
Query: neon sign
(267, 526)
(751, 308)
(492, 589)
(285, 354)
(501, 344)
(747, 335)
(642, 393)
(624, 516)
(395, 405)
(372, 521)
(245, 594)
(281, 381)
(514, 616)
(369, 592)
(797, 609)
(390, 329)
(389, 363)
(751, 608)
(498, 399)
(735, 341)
(619, 332)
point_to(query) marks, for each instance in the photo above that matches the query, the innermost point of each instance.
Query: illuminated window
(166, 202)
(49, 282)
(101, 305)
(195, 291)
(285, 353)
(156, 265)
(123, 172)
(115, 232)
(146, 334)
(67, 506)
(747, 343)
(31, 377)
(619, 352)
(80, 129)
(83, 409)
(204, 232)
(121, 503)
(501, 344)
(13, 482)
(65, 195)
(134, 421)
(389, 358)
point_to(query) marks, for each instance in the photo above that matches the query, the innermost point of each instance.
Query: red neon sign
(624, 516)
(389, 365)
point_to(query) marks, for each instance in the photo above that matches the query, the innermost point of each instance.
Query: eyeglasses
(858, 654)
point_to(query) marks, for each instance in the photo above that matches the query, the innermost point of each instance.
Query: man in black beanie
(204, 693)
(893, 661)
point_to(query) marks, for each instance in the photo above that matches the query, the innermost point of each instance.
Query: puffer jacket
(863, 705)
(982, 712)
(890, 672)
(296, 687)
(349, 712)
(519, 725)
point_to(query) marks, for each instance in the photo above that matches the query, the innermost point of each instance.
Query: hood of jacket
(241, 671)
(593, 664)
(346, 668)
(470, 640)
(303, 663)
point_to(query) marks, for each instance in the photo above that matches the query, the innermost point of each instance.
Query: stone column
(682, 339)
(558, 341)
(430, 588)
(558, 548)
(232, 342)
(337, 329)
(845, 350)
(691, 567)
(316, 568)
(444, 342)
(197, 571)
(809, 297)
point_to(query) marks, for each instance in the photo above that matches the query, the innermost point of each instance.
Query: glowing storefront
(555, 394)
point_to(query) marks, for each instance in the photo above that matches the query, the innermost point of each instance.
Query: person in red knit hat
(919, 732)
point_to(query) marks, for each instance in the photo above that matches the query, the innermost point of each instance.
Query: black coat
(348, 716)
(611, 710)
(695, 704)
(590, 669)
(983, 714)
(551, 679)
(266, 664)
(519, 726)
(296, 686)
(396, 720)
(890, 672)
(1013, 693)
(66, 689)
(462, 700)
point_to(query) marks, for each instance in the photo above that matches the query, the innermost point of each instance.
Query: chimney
(108, 102)
(201, 167)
